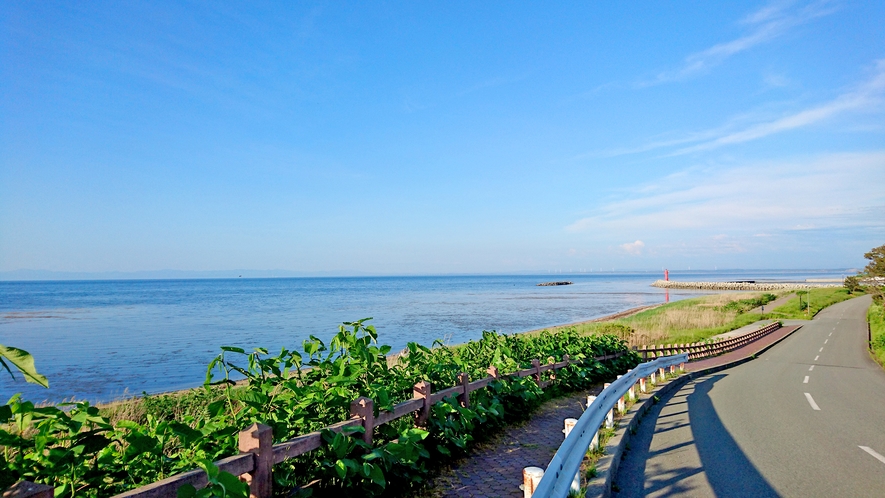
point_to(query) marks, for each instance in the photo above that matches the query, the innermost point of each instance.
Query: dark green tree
(874, 272)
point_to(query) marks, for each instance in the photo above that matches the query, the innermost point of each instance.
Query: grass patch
(876, 318)
(798, 307)
(691, 320)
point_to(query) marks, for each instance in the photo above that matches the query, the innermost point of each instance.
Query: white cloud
(825, 192)
(634, 248)
(764, 25)
(866, 97)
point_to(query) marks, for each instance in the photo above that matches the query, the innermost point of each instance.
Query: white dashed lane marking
(872, 452)
(811, 402)
(811, 368)
(816, 357)
(806, 380)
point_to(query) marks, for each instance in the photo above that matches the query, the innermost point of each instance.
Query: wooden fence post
(422, 391)
(536, 364)
(464, 397)
(363, 408)
(27, 489)
(258, 440)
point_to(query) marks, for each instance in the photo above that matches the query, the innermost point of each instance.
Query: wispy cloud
(866, 97)
(763, 26)
(837, 190)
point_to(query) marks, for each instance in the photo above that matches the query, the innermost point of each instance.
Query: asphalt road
(806, 418)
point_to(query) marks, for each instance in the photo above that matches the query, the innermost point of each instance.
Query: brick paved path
(495, 469)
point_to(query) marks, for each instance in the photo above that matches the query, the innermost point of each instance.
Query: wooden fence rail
(258, 454)
(697, 350)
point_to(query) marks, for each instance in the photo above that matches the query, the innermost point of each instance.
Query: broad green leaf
(378, 476)
(24, 362)
(187, 491)
(340, 469)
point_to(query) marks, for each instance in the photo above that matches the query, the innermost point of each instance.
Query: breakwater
(750, 286)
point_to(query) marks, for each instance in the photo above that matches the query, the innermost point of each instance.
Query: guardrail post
(28, 489)
(622, 404)
(531, 476)
(682, 367)
(610, 417)
(363, 408)
(258, 439)
(662, 373)
(673, 369)
(421, 391)
(569, 425)
(595, 442)
(464, 397)
(642, 387)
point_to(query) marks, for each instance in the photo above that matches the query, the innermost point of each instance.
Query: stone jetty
(749, 286)
(546, 284)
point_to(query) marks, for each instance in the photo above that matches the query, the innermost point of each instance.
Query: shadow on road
(727, 468)
(684, 461)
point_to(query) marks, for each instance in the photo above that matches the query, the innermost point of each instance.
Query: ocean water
(102, 340)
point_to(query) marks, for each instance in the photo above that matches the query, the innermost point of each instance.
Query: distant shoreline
(606, 318)
(747, 286)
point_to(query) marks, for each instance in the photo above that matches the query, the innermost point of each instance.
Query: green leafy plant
(24, 362)
(81, 452)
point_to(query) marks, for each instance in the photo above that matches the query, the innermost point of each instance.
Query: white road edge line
(806, 380)
(811, 368)
(811, 402)
(873, 453)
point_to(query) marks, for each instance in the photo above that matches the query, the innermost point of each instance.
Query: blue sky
(443, 137)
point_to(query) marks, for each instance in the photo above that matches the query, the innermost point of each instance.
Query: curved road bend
(806, 418)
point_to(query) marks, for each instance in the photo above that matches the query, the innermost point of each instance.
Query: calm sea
(100, 340)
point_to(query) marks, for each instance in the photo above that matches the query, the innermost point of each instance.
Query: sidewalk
(494, 469)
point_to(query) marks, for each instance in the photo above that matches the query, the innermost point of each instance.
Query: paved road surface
(806, 418)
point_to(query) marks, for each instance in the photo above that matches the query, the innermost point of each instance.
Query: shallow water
(100, 340)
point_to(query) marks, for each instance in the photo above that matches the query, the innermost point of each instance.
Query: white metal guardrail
(566, 463)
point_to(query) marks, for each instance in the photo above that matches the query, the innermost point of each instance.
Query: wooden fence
(697, 350)
(254, 464)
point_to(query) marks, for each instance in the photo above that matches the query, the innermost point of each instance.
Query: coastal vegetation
(689, 320)
(83, 451)
(808, 303)
(876, 317)
(873, 280)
